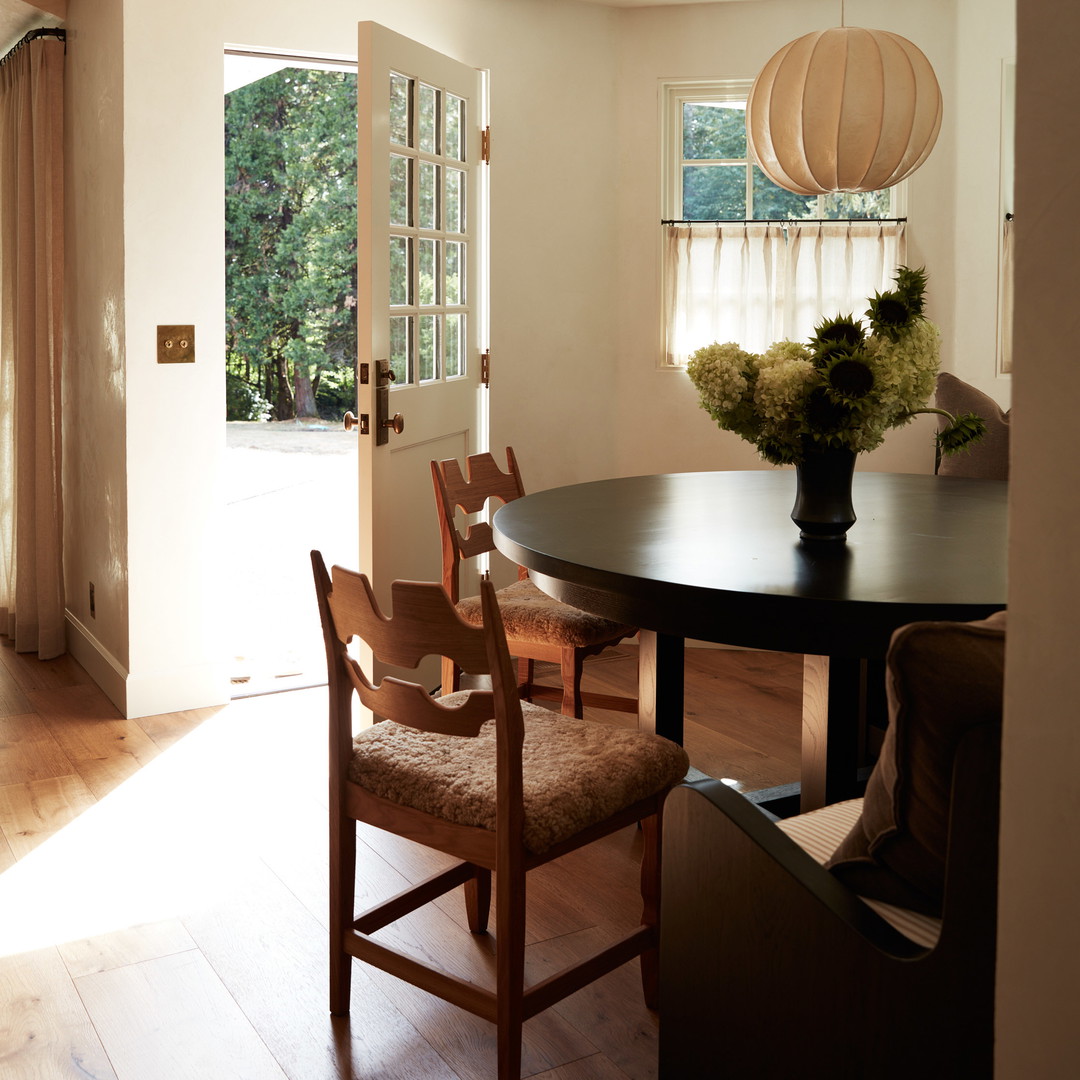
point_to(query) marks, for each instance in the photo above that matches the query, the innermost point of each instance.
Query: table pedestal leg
(834, 700)
(660, 684)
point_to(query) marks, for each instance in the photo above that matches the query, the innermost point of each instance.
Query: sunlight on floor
(177, 836)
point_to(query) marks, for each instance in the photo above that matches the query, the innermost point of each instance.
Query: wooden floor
(163, 891)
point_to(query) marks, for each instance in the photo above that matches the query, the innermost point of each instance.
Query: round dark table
(716, 557)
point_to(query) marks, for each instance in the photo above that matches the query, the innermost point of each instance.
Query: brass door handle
(396, 423)
(352, 421)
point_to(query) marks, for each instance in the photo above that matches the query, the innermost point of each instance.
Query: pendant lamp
(845, 109)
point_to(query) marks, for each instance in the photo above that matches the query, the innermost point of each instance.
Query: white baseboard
(174, 690)
(100, 664)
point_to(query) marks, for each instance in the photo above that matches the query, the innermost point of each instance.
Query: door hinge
(485, 146)
(485, 368)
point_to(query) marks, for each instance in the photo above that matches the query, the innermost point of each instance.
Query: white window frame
(674, 93)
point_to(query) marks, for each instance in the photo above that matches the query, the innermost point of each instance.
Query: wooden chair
(537, 627)
(499, 784)
(774, 965)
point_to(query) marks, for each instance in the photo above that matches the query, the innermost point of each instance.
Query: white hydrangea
(718, 372)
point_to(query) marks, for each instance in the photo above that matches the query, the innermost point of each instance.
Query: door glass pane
(454, 215)
(429, 119)
(399, 109)
(400, 202)
(401, 348)
(714, 192)
(399, 270)
(427, 292)
(428, 358)
(714, 130)
(455, 261)
(455, 127)
(455, 345)
(429, 179)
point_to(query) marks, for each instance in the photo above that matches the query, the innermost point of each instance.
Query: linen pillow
(942, 679)
(987, 459)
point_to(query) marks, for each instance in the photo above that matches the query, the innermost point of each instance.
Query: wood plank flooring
(163, 891)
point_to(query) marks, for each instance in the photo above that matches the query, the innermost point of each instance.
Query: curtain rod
(45, 31)
(784, 221)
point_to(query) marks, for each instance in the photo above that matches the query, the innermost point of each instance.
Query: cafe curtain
(31, 334)
(759, 282)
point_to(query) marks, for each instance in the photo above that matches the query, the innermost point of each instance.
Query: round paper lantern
(845, 109)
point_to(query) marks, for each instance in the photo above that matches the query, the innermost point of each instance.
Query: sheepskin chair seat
(576, 772)
(531, 615)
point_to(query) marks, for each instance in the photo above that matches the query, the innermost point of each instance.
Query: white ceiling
(17, 18)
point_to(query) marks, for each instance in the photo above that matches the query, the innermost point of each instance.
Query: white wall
(661, 428)
(1039, 938)
(95, 444)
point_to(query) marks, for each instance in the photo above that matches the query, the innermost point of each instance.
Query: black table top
(715, 556)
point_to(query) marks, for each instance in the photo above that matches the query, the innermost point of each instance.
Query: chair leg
(510, 969)
(650, 914)
(570, 668)
(478, 900)
(342, 899)
(525, 677)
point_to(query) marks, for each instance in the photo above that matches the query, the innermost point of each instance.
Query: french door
(420, 309)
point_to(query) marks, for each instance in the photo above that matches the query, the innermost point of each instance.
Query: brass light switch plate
(176, 344)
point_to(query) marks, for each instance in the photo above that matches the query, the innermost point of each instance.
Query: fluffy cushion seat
(531, 615)
(576, 772)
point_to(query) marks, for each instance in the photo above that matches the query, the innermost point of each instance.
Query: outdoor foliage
(290, 245)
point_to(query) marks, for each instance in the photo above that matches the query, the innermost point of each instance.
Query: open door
(420, 309)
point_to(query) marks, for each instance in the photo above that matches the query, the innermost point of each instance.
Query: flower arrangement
(843, 389)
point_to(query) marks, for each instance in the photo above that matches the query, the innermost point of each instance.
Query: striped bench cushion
(819, 832)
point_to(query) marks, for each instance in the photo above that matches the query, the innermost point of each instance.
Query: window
(428, 233)
(744, 259)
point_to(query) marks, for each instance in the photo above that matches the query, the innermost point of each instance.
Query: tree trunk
(283, 402)
(303, 394)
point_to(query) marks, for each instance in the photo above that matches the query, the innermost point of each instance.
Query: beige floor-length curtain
(31, 336)
(759, 282)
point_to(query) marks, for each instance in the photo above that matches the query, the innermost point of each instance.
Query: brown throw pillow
(987, 459)
(942, 679)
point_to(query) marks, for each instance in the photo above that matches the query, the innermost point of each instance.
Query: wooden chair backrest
(482, 480)
(424, 623)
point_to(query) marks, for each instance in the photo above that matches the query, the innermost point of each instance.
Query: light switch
(176, 344)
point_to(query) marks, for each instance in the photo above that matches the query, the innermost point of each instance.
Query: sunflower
(849, 376)
(841, 330)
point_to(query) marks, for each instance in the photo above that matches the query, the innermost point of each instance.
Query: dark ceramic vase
(823, 509)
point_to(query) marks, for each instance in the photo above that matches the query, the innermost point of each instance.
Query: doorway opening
(291, 469)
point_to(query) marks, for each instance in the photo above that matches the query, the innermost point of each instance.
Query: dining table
(715, 557)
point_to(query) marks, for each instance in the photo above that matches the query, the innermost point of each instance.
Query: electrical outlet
(93, 614)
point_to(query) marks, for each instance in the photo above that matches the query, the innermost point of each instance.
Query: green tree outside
(290, 245)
